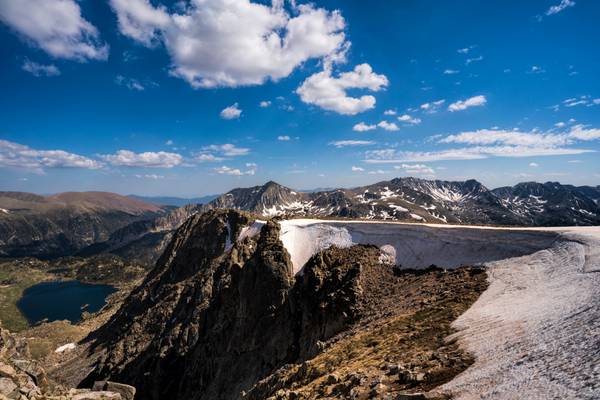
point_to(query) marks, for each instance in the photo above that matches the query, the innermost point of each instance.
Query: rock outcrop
(21, 378)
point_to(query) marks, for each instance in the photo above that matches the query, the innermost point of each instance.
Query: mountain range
(96, 222)
(61, 224)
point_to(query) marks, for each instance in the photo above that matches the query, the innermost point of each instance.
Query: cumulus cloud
(486, 143)
(416, 169)
(231, 112)
(283, 138)
(362, 127)
(346, 143)
(227, 150)
(127, 158)
(409, 120)
(564, 4)
(225, 170)
(329, 92)
(38, 70)
(450, 72)
(17, 155)
(55, 26)
(388, 126)
(214, 43)
(208, 157)
(475, 101)
(357, 169)
(389, 112)
(534, 165)
(264, 103)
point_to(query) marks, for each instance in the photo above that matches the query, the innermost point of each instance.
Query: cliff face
(222, 311)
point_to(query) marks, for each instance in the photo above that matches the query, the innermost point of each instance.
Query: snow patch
(65, 347)
(5, 211)
(417, 217)
(252, 230)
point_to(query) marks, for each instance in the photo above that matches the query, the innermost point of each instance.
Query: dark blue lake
(62, 300)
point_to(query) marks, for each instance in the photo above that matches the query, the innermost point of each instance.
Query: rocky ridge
(222, 311)
(420, 200)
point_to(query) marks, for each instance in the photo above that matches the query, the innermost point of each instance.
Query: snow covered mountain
(551, 203)
(420, 200)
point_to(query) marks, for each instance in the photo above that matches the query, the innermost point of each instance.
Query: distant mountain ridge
(61, 224)
(96, 222)
(421, 200)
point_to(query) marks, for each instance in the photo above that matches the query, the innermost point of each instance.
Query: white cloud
(409, 120)
(129, 83)
(432, 107)
(450, 72)
(464, 50)
(389, 112)
(264, 103)
(560, 124)
(40, 69)
(231, 112)
(580, 101)
(536, 70)
(139, 20)
(225, 170)
(416, 169)
(486, 143)
(388, 126)
(215, 43)
(472, 60)
(534, 165)
(362, 127)
(208, 157)
(476, 101)
(391, 156)
(377, 172)
(560, 7)
(345, 143)
(127, 158)
(149, 176)
(55, 26)
(227, 149)
(581, 132)
(329, 93)
(169, 142)
(21, 156)
(283, 138)
(357, 169)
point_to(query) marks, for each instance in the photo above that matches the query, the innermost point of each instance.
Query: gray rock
(7, 386)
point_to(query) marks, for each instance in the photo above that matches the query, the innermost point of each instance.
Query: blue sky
(198, 97)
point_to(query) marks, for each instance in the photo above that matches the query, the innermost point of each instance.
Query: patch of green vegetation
(13, 282)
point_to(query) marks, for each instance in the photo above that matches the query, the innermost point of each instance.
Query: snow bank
(414, 245)
(535, 330)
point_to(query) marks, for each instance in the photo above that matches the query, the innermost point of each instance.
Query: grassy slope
(13, 281)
